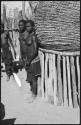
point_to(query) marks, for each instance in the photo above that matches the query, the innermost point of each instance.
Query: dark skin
(22, 29)
(29, 27)
(30, 30)
(5, 40)
(25, 33)
(28, 48)
(32, 37)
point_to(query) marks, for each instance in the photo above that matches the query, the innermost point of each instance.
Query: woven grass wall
(58, 22)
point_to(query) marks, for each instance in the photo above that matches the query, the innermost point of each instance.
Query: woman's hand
(28, 63)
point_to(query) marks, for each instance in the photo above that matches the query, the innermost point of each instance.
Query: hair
(31, 22)
(22, 21)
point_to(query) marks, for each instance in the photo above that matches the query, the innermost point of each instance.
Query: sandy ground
(38, 112)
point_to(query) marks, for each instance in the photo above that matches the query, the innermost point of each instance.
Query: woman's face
(29, 28)
(21, 26)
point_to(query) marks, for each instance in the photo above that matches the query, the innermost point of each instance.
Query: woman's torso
(27, 44)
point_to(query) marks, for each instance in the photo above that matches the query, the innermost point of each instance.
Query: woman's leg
(34, 86)
(31, 86)
(9, 67)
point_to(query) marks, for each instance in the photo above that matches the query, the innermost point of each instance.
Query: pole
(23, 9)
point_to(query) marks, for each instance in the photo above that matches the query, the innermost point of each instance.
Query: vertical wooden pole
(46, 75)
(17, 46)
(4, 15)
(65, 82)
(78, 74)
(50, 75)
(69, 82)
(39, 78)
(59, 80)
(55, 80)
(42, 74)
(23, 9)
(39, 86)
(73, 82)
(14, 37)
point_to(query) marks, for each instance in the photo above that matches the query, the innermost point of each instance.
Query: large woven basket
(58, 24)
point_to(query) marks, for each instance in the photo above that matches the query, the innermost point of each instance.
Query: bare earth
(38, 112)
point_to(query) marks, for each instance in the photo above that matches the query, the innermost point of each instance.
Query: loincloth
(34, 69)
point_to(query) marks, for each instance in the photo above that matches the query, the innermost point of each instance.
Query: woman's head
(30, 26)
(22, 25)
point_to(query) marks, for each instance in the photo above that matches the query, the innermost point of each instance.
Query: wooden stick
(73, 82)
(14, 37)
(42, 74)
(23, 9)
(69, 81)
(38, 87)
(59, 80)
(50, 75)
(55, 80)
(17, 46)
(46, 75)
(40, 56)
(65, 82)
(11, 34)
(4, 15)
(13, 23)
(78, 74)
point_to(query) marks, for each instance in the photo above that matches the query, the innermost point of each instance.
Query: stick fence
(59, 71)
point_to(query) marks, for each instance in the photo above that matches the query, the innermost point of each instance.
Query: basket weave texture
(58, 23)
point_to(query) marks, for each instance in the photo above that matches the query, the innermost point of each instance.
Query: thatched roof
(58, 22)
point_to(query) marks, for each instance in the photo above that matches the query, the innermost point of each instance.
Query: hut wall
(58, 22)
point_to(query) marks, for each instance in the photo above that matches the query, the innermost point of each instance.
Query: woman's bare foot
(31, 98)
(8, 78)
